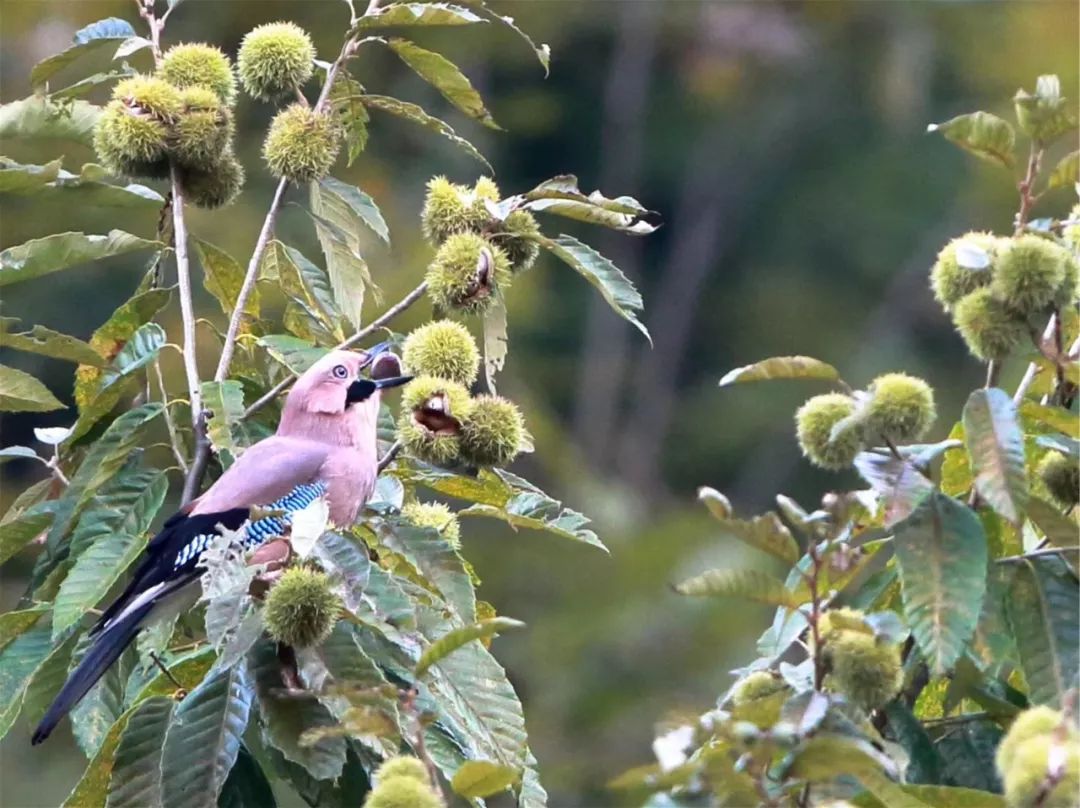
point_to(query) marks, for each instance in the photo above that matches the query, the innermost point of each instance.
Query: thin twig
(993, 373)
(1027, 201)
(170, 424)
(1048, 551)
(360, 335)
(388, 458)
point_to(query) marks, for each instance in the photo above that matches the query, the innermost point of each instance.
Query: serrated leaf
(108, 341)
(482, 778)
(415, 14)
(766, 533)
(827, 756)
(1066, 173)
(747, 584)
(247, 785)
(21, 392)
(225, 403)
(985, 135)
(223, 277)
(1056, 418)
(93, 787)
(46, 342)
(1060, 531)
(128, 502)
(901, 485)
(439, 563)
(99, 567)
(136, 773)
(84, 86)
(295, 354)
(995, 444)
(12, 624)
(307, 285)
(345, 101)
(607, 278)
(535, 510)
(562, 197)
(938, 797)
(474, 696)
(444, 76)
(347, 206)
(542, 51)
(18, 532)
(1042, 608)
(956, 478)
(43, 256)
(339, 237)
(203, 740)
(19, 661)
(101, 35)
(16, 178)
(416, 114)
(286, 716)
(942, 555)
(455, 639)
(782, 367)
(38, 118)
(104, 459)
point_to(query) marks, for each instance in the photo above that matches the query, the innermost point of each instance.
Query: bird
(324, 446)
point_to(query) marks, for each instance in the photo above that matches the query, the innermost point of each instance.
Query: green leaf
(93, 787)
(782, 367)
(1060, 531)
(607, 278)
(437, 561)
(995, 443)
(127, 503)
(956, 478)
(353, 115)
(901, 485)
(98, 36)
(64, 250)
(223, 277)
(496, 342)
(109, 340)
(48, 679)
(12, 624)
(445, 77)
(87, 187)
(453, 640)
(38, 118)
(225, 403)
(1056, 418)
(827, 756)
(1045, 115)
(19, 661)
(473, 695)
(747, 584)
(305, 284)
(295, 354)
(336, 228)
(416, 114)
(1042, 608)
(97, 399)
(45, 341)
(537, 511)
(415, 14)
(348, 207)
(247, 785)
(203, 740)
(18, 532)
(562, 197)
(84, 86)
(102, 564)
(968, 753)
(941, 550)
(923, 763)
(766, 533)
(1066, 173)
(21, 392)
(985, 135)
(286, 716)
(136, 773)
(482, 778)
(542, 51)
(938, 797)
(104, 459)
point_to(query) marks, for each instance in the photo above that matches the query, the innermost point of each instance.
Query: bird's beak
(392, 381)
(373, 351)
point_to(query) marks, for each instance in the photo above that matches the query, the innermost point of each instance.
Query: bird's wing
(264, 473)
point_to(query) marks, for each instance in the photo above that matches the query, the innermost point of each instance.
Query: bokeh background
(785, 145)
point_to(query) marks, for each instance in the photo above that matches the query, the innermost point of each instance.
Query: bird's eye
(340, 371)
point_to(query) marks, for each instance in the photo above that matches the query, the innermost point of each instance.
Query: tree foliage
(925, 612)
(207, 708)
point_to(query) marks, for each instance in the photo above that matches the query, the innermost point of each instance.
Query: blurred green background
(785, 145)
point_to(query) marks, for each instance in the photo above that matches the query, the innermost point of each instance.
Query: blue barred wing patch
(261, 530)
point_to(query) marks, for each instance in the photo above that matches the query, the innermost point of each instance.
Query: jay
(325, 446)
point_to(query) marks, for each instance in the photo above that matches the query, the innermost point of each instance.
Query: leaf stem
(1047, 551)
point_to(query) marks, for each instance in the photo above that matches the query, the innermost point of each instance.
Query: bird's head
(337, 385)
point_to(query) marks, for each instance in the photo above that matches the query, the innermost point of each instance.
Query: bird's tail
(106, 649)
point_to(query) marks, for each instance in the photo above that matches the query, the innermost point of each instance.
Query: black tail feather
(107, 648)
